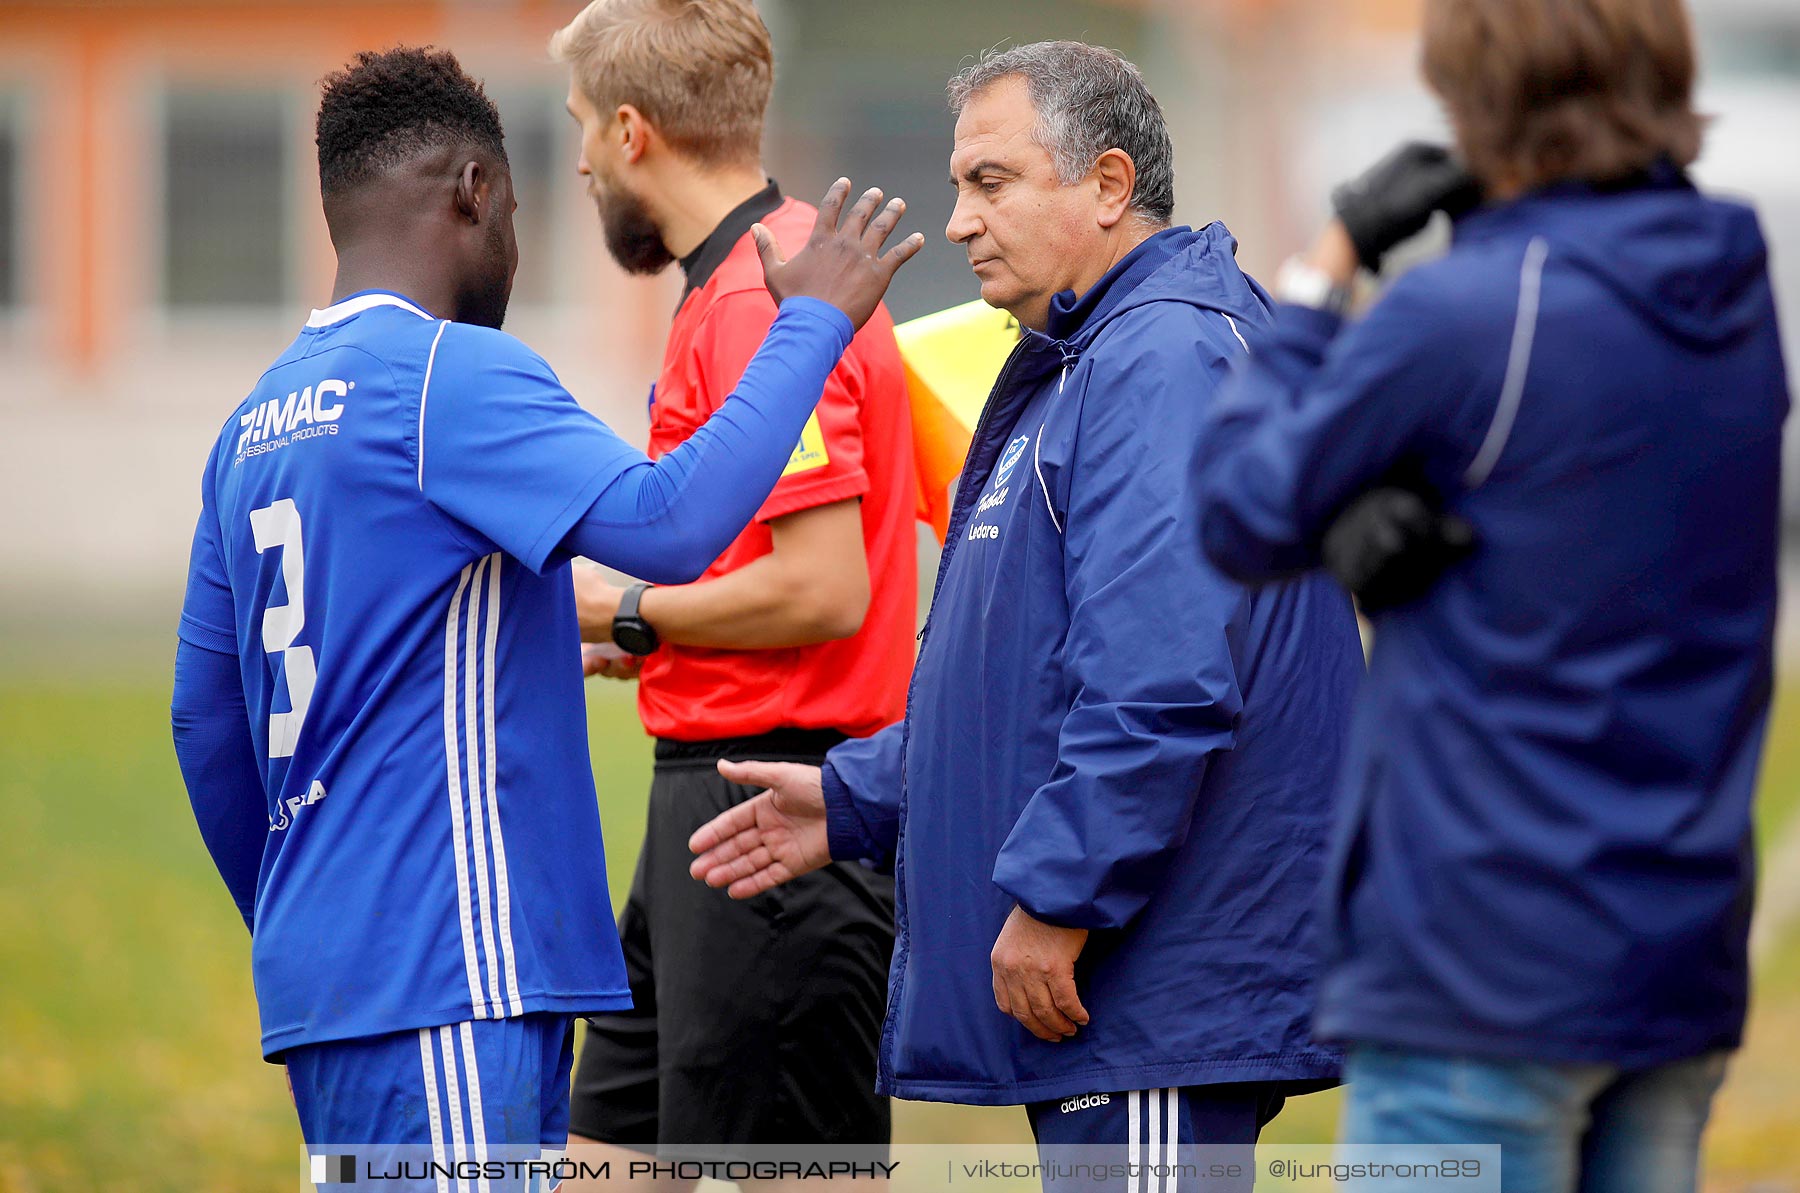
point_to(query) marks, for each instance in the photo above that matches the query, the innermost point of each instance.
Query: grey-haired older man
(1107, 804)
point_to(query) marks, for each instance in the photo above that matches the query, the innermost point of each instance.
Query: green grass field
(128, 1038)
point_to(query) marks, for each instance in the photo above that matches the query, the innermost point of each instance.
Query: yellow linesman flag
(952, 359)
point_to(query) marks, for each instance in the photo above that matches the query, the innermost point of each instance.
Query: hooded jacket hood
(1177, 264)
(1692, 265)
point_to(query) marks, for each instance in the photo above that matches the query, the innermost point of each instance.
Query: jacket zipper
(958, 518)
(958, 508)
(1070, 354)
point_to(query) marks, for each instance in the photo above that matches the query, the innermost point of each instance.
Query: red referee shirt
(857, 445)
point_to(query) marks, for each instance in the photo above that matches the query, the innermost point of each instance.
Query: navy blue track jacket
(1106, 731)
(1543, 849)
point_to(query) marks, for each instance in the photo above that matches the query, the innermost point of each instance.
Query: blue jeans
(1562, 1128)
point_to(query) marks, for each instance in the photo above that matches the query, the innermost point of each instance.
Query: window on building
(226, 198)
(10, 217)
(541, 148)
(1739, 44)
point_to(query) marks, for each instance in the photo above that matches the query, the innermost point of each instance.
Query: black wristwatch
(630, 632)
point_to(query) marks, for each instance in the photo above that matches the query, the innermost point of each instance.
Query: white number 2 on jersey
(278, 525)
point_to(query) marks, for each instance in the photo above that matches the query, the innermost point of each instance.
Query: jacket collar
(710, 253)
(1495, 218)
(356, 304)
(1071, 314)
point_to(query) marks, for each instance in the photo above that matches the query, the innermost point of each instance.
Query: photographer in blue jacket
(1552, 458)
(1107, 805)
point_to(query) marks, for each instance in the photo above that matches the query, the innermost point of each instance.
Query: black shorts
(755, 1021)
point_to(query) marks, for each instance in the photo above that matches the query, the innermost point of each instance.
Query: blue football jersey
(378, 545)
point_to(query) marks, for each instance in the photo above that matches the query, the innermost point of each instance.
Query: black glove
(1391, 544)
(1395, 197)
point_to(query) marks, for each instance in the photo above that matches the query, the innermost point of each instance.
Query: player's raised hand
(842, 264)
(766, 841)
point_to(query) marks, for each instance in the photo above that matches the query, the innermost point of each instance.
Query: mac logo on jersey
(1009, 459)
(309, 407)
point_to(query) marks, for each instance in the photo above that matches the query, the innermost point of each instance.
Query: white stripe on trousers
(1153, 1104)
(477, 1125)
(1171, 1137)
(1133, 1156)
(1153, 1139)
(454, 1100)
(460, 1096)
(429, 1064)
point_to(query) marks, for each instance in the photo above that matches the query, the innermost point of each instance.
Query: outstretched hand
(841, 264)
(766, 841)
